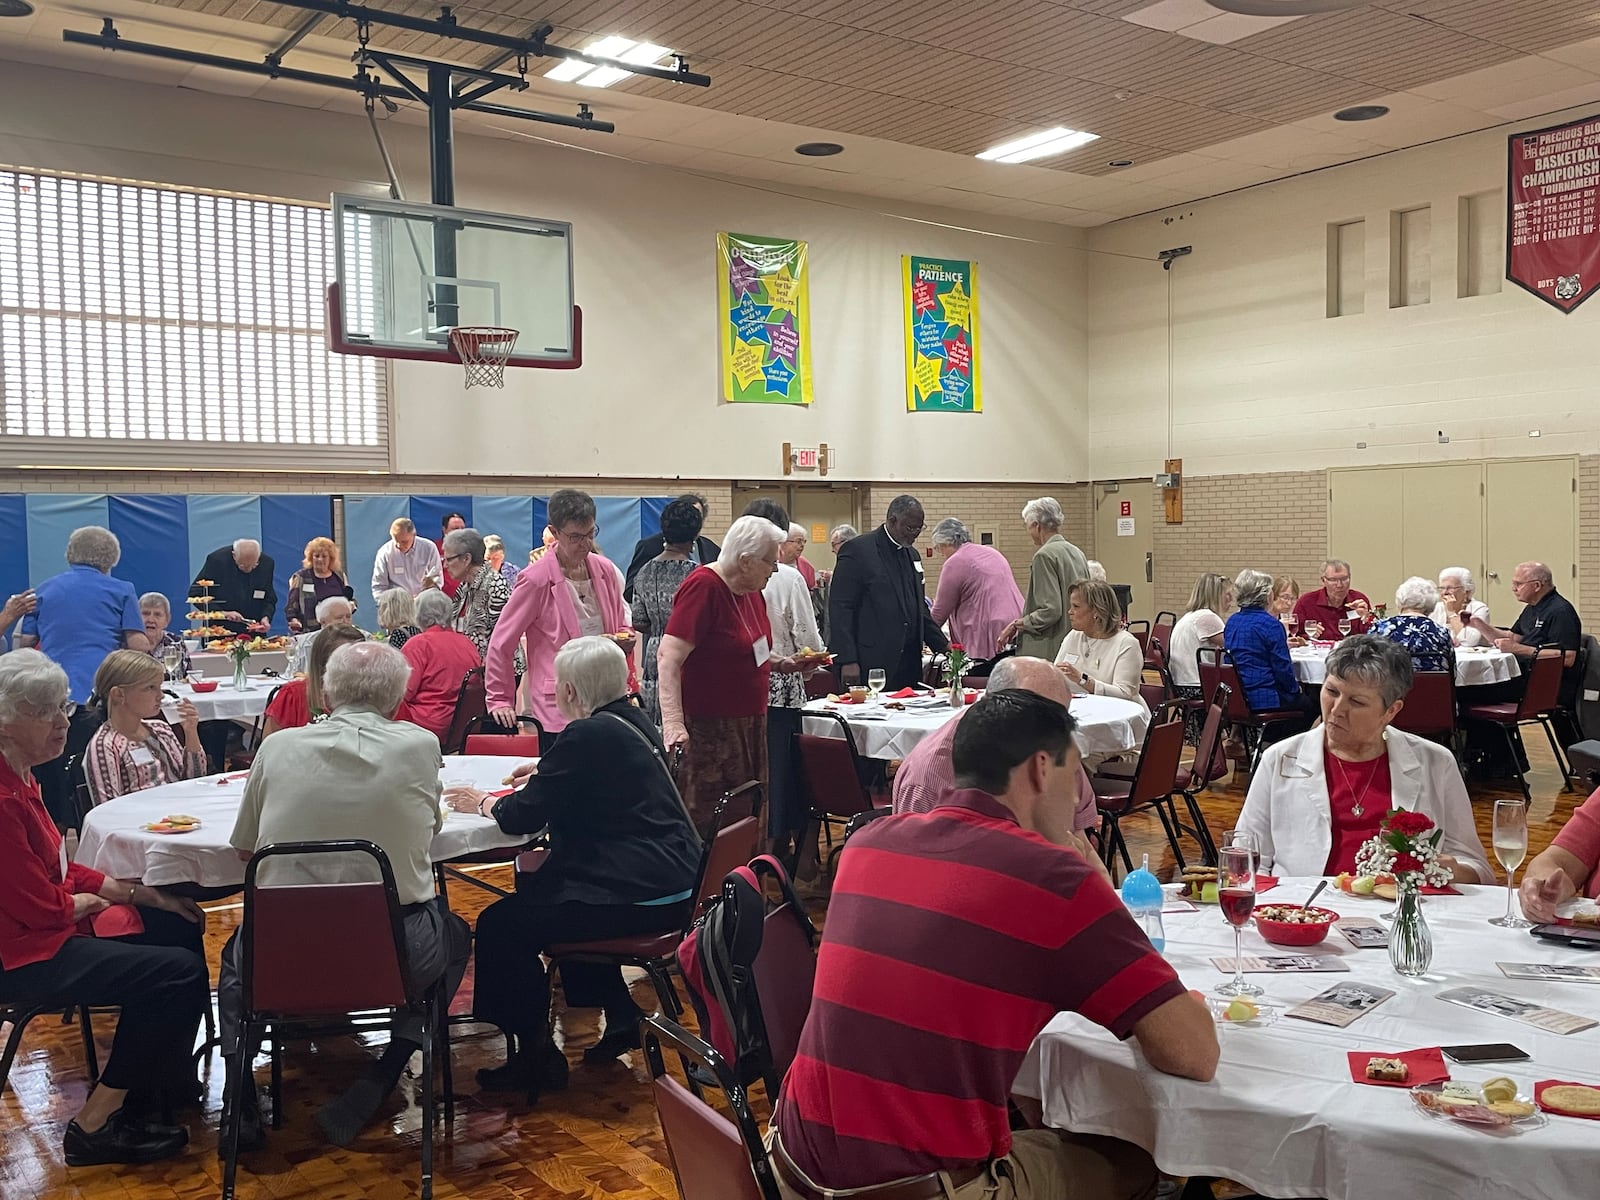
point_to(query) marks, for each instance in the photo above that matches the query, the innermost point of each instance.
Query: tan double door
(819, 508)
(1394, 522)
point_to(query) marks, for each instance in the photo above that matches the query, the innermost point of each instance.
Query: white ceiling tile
(1227, 28)
(1552, 102)
(1519, 79)
(1583, 55)
(1172, 15)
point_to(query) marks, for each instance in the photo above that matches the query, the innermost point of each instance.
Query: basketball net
(483, 351)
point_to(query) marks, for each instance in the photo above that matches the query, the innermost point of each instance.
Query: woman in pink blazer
(569, 593)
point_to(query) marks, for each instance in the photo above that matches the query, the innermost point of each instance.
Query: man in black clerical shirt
(242, 593)
(877, 609)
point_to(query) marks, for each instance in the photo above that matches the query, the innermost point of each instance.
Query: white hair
(155, 600)
(1096, 571)
(240, 545)
(596, 668)
(30, 684)
(843, 532)
(1465, 576)
(325, 610)
(1252, 588)
(749, 537)
(401, 525)
(798, 531)
(94, 546)
(466, 541)
(434, 608)
(951, 532)
(1417, 594)
(366, 675)
(395, 608)
(1044, 512)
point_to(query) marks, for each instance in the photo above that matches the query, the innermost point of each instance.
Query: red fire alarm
(1127, 509)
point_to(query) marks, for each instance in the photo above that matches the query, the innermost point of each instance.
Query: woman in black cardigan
(622, 862)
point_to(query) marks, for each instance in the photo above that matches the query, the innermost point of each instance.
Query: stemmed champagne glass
(1510, 839)
(1236, 896)
(877, 680)
(172, 658)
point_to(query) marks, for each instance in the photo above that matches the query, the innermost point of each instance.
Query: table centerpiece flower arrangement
(955, 669)
(239, 652)
(1406, 846)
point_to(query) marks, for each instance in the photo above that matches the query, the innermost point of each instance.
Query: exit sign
(805, 458)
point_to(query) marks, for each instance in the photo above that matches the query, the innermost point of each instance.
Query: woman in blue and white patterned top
(155, 610)
(1413, 626)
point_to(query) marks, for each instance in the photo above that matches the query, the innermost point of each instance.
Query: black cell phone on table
(1485, 1052)
(1584, 937)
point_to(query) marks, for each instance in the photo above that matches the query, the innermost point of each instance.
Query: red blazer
(35, 893)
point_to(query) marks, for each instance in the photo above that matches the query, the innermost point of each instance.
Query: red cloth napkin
(1265, 883)
(904, 693)
(1423, 1066)
(1538, 1098)
(1429, 890)
(120, 920)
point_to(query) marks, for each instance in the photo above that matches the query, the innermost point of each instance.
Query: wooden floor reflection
(599, 1139)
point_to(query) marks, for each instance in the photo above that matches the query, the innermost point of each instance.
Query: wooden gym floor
(598, 1140)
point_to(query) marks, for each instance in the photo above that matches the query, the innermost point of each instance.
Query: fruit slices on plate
(174, 823)
(1378, 887)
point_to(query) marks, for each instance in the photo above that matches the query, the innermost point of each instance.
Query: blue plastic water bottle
(1141, 892)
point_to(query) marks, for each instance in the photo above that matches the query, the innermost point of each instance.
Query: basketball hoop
(483, 351)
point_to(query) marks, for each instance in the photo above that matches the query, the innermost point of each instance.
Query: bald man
(927, 776)
(242, 592)
(1547, 619)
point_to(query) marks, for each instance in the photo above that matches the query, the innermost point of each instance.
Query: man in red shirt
(1330, 603)
(953, 937)
(448, 583)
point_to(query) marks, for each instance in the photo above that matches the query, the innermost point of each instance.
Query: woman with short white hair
(714, 666)
(440, 658)
(622, 863)
(1412, 626)
(156, 612)
(1458, 605)
(397, 616)
(1057, 565)
(977, 593)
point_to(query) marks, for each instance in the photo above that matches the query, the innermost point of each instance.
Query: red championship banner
(1552, 234)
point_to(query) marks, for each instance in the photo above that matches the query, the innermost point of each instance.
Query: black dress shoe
(616, 1042)
(122, 1140)
(532, 1074)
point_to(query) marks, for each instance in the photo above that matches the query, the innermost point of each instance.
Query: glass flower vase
(241, 675)
(1410, 941)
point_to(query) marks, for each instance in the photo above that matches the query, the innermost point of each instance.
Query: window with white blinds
(157, 327)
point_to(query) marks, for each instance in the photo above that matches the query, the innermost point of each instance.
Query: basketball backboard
(408, 273)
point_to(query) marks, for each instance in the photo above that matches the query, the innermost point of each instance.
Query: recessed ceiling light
(575, 70)
(1362, 112)
(1039, 145)
(1120, 162)
(15, 8)
(819, 149)
(1285, 8)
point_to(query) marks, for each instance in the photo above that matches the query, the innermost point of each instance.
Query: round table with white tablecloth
(225, 702)
(115, 842)
(1283, 1115)
(1106, 725)
(1475, 665)
(213, 664)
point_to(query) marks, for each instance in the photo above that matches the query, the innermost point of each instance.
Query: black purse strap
(661, 760)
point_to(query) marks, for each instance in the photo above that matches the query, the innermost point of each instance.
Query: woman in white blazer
(1318, 796)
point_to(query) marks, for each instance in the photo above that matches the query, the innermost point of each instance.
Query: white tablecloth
(1106, 725)
(225, 703)
(213, 664)
(1475, 666)
(1283, 1115)
(113, 842)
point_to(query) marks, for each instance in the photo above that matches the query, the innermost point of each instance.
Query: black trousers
(157, 977)
(786, 806)
(511, 987)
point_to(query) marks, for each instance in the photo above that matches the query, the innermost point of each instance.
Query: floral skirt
(723, 753)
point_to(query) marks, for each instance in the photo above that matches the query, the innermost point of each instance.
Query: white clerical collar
(890, 536)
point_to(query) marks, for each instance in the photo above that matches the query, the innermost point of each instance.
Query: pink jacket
(541, 609)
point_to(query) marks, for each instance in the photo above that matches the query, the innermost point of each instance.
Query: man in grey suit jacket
(1057, 565)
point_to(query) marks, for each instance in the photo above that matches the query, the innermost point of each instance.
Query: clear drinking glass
(1236, 897)
(1293, 622)
(1344, 626)
(1313, 630)
(172, 657)
(1510, 839)
(877, 680)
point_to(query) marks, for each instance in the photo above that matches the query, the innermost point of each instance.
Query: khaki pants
(1048, 1165)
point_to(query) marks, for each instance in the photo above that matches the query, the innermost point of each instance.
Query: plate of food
(1493, 1104)
(1199, 884)
(173, 823)
(1580, 910)
(806, 656)
(1367, 887)
(1247, 1014)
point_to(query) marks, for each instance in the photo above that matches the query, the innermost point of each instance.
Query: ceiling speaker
(1285, 8)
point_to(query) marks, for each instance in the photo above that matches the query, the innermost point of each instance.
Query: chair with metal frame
(1216, 667)
(472, 706)
(1151, 789)
(1141, 634)
(713, 1157)
(494, 739)
(325, 954)
(1208, 765)
(1161, 630)
(834, 774)
(19, 1015)
(1540, 699)
(1430, 706)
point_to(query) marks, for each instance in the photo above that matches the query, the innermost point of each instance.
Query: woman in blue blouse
(1260, 648)
(1413, 627)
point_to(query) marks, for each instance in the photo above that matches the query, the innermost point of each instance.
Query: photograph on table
(1551, 1020)
(1341, 1005)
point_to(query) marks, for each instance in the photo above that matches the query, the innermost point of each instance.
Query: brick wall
(1589, 541)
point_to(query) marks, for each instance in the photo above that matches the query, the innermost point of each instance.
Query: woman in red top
(51, 912)
(299, 702)
(714, 663)
(439, 658)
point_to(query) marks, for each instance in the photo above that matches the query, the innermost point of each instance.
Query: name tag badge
(763, 650)
(259, 594)
(141, 757)
(304, 587)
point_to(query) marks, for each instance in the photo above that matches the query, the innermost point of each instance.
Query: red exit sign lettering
(805, 457)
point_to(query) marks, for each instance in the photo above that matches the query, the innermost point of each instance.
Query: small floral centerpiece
(955, 670)
(239, 652)
(1407, 847)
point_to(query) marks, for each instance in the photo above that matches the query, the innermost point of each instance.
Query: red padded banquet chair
(1141, 634)
(713, 1157)
(313, 952)
(1151, 788)
(472, 705)
(1196, 778)
(1217, 667)
(1161, 631)
(1430, 707)
(834, 775)
(1539, 700)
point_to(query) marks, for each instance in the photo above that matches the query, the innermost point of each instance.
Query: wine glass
(172, 658)
(1313, 630)
(1344, 626)
(877, 680)
(1236, 896)
(1510, 840)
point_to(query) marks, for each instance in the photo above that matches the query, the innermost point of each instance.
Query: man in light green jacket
(1057, 565)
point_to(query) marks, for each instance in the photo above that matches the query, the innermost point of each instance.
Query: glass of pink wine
(1236, 896)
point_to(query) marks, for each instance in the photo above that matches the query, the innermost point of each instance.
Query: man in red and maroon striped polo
(952, 938)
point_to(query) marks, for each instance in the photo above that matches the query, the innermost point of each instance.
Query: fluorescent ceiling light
(1039, 145)
(576, 70)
